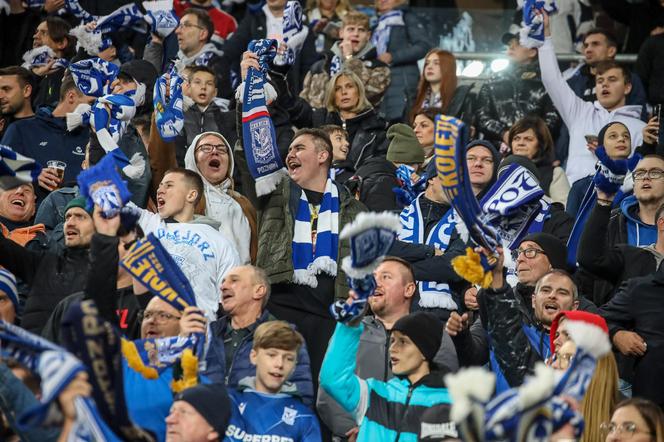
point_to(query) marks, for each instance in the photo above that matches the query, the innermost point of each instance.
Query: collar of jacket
(225, 321)
(432, 380)
(287, 389)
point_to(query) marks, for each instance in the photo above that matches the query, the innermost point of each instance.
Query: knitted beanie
(424, 329)
(212, 402)
(554, 249)
(404, 147)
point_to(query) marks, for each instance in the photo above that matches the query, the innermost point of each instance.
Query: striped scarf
(94, 76)
(294, 33)
(168, 102)
(381, 34)
(42, 56)
(531, 34)
(432, 293)
(16, 169)
(310, 259)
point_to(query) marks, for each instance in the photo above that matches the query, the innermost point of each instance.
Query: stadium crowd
(249, 134)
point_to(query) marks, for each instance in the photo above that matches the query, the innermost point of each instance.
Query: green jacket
(275, 233)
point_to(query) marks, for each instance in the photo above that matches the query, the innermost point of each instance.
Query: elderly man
(199, 414)
(245, 291)
(391, 301)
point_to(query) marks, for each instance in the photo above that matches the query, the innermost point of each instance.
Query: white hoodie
(220, 206)
(582, 117)
(203, 254)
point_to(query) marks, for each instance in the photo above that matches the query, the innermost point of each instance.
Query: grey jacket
(373, 361)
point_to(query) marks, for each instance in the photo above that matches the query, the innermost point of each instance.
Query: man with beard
(15, 96)
(518, 319)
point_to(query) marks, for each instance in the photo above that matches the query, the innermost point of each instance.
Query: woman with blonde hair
(346, 105)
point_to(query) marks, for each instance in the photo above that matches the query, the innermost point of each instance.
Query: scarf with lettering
(531, 34)
(381, 34)
(538, 408)
(16, 169)
(168, 102)
(371, 235)
(258, 135)
(97, 343)
(150, 263)
(56, 368)
(160, 17)
(432, 294)
(316, 252)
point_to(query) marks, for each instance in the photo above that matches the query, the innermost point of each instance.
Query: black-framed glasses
(652, 174)
(529, 253)
(627, 428)
(208, 148)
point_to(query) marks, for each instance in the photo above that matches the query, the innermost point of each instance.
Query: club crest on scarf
(371, 235)
(168, 103)
(294, 33)
(94, 76)
(259, 137)
(42, 56)
(103, 186)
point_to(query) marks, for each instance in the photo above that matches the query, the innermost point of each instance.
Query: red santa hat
(584, 328)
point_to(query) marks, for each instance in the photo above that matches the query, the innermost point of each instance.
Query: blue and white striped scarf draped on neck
(432, 294)
(310, 259)
(381, 35)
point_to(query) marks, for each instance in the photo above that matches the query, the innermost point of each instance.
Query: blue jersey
(261, 417)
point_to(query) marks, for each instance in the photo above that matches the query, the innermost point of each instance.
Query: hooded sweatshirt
(203, 254)
(582, 117)
(638, 233)
(263, 416)
(220, 206)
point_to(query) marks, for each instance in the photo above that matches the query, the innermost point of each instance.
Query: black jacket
(640, 16)
(253, 27)
(650, 67)
(366, 131)
(558, 223)
(118, 306)
(372, 184)
(510, 96)
(613, 263)
(637, 306)
(51, 278)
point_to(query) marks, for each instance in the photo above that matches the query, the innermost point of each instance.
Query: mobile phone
(592, 139)
(657, 112)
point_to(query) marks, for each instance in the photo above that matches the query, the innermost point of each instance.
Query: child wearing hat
(416, 391)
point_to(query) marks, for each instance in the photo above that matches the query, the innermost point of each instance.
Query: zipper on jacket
(373, 138)
(230, 368)
(388, 333)
(405, 413)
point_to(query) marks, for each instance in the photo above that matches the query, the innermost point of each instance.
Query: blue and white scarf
(110, 116)
(310, 259)
(103, 186)
(335, 65)
(371, 235)
(74, 8)
(127, 16)
(294, 33)
(381, 34)
(96, 342)
(432, 293)
(531, 34)
(91, 41)
(16, 169)
(80, 117)
(169, 116)
(94, 76)
(5, 7)
(42, 56)
(258, 135)
(609, 178)
(161, 17)
(56, 368)
(407, 190)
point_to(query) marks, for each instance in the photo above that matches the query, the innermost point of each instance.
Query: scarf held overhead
(258, 135)
(16, 169)
(168, 102)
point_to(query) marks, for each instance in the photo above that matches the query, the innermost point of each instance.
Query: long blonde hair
(362, 101)
(600, 398)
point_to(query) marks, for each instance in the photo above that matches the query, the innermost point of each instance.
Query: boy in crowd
(341, 169)
(267, 404)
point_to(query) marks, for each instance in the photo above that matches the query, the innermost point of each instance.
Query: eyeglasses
(185, 25)
(628, 428)
(529, 253)
(652, 174)
(159, 316)
(208, 148)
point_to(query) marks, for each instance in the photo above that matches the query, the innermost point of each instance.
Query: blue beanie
(8, 285)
